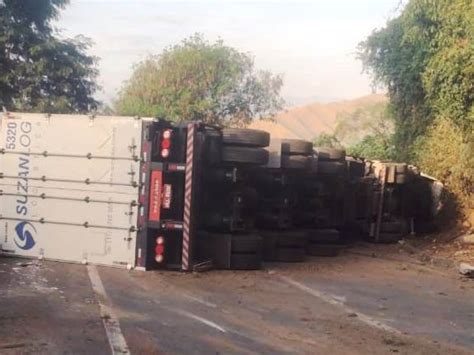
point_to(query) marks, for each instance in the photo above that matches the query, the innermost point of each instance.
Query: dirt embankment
(307, 122)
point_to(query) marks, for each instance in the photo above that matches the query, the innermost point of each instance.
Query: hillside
(308, 121)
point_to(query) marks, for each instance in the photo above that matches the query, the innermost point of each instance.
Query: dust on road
(349, 304)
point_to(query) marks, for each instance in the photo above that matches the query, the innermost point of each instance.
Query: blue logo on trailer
(24, 235)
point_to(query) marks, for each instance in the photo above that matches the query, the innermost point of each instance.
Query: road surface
(353, 303)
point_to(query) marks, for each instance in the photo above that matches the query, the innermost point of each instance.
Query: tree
(425, 58)
(366, 132)
(199, 80)
(371, 120)
(327, 140)
(371, 147)
(38, 70)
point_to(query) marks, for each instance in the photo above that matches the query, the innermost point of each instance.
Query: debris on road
(467, 239)
(466, 269)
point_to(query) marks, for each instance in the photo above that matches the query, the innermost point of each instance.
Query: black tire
(245, 262)
(246, 244)
(300, 162)
(296, 147)
(244, 155)
(286, 239)
(324, 236)
(331, 168)
(245, 137)
(290, 255)
(314, 165)
(327, 154)
(389, 238)
(322, 250)
(393, 227)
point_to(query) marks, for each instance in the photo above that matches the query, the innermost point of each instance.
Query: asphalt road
(349, 304)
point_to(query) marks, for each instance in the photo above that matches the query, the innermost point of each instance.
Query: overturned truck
(150, 194)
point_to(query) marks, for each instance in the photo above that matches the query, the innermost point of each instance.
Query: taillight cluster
(159, 249)
(166, 143)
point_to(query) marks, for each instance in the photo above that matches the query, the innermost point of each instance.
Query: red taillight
(167, 134)
(166, 143)
(159, 249)
(165, 153)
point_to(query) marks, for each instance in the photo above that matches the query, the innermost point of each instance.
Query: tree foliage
(327, 140)
(366, 132)
(373, 119)
(373, 147)
(442, 153)
(199, 80)
(38, 70)
(425, 57)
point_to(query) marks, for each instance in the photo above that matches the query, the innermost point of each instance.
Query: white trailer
(69, 187)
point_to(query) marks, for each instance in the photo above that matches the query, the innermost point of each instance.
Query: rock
(467, 239)
(470, 220)
(466, 269)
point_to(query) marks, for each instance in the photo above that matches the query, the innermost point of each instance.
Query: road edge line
(117, 342)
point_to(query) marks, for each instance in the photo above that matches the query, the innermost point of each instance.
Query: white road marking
(337, 301)
(117, 342)
(199, 300)
(200, 319)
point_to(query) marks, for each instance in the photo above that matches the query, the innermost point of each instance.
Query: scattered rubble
(466, 269)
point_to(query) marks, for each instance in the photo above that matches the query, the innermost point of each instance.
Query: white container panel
(50, 218)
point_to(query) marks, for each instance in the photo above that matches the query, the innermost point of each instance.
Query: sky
(311, 43)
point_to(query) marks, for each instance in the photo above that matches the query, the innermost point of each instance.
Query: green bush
(443, 154)
(372, 147)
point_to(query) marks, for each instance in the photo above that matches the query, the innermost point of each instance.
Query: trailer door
(69, 187)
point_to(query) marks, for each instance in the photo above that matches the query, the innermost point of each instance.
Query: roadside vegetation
(39, 70)
(367, 132)
(200, 80)
(424, 57)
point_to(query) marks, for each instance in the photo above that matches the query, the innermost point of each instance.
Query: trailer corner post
(188, 222)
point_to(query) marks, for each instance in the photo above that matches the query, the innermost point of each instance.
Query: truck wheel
(296, 146)
(393, 227)
(286, 238)
(324, 236)
(389, 238)
(313, 165)
(245, 262)
(244, 155)
(327, 154)
(331, 167)
(295, 162)
(246, 244)
(289, 255)
(245, 137)
(322, 250)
